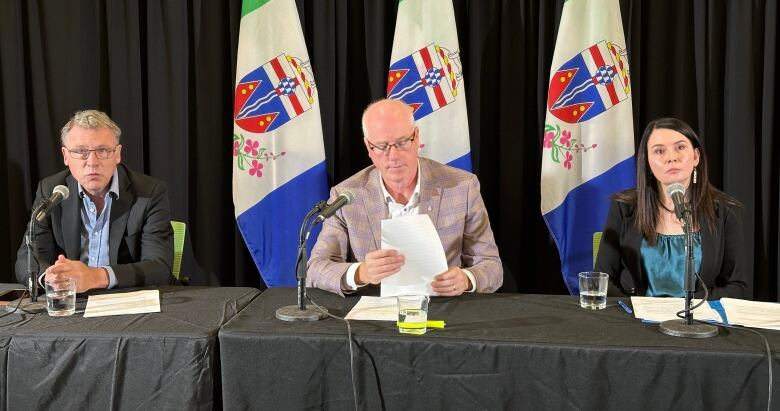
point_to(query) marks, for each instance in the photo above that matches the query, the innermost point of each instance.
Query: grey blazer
(140, 238)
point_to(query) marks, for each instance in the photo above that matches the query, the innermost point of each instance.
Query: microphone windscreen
(348, 195)
(63, 190)
(675, 188)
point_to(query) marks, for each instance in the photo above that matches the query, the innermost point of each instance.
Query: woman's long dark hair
(646, 197)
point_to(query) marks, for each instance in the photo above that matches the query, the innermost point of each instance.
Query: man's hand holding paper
(451, 283)
(378, 265)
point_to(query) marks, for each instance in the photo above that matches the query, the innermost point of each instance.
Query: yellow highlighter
(428, 324)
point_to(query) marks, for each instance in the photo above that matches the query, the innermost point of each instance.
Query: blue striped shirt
(95, 229)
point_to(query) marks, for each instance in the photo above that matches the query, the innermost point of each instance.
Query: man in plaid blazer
(347, 255)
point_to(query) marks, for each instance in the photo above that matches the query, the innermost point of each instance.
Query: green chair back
(596, 243)
(179, 232)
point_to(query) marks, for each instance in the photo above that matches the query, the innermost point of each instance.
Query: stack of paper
(752, 313)
(137, 302)
(374, 308)
(660, 309)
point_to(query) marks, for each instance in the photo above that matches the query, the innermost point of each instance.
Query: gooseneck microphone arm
(58, 194)
(685, 326)
(302, 259)
(300, 312)
(690, 282)
(29, 241)
(32, 247)
(322, 211)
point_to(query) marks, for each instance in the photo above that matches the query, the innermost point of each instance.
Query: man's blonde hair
(91, 120)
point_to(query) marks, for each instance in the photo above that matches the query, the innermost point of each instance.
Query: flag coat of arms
(425, 72)
(588, 142)
(278, 152)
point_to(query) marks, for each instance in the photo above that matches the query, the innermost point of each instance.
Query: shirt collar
(415, 194)
(112, 189)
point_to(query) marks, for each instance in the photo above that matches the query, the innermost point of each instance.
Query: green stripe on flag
(249, 6)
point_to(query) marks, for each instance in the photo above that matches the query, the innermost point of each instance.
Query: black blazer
(140, 235)
(722, 265)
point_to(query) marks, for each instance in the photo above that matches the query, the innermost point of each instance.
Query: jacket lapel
(376, 210)
(71, 221)
(120, 208)
(708, 246)
(634, 260)
(430, 192)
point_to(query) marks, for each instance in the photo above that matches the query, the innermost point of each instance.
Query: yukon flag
(588, 144)
(279, 157)
(426, 73)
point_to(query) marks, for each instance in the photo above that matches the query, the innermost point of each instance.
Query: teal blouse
(664, 264)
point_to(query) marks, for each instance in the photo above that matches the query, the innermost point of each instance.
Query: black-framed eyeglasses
(401, 145)
(102, 153)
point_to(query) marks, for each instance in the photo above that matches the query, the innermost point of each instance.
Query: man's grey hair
(363, 117)
(91, 120)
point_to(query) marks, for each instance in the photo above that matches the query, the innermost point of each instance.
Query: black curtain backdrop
(164, 70)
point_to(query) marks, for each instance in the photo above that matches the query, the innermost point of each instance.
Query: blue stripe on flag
(271, 227)
(463, 162)
(582, 213)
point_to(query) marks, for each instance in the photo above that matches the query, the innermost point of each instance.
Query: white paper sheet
(416, 239)
(136, 302)
(666, 308)
(752, 313)
(374, 308)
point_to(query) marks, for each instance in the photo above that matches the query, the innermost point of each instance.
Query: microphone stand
(31, 305)
(686, 327)
(690, 281)
(300, 312)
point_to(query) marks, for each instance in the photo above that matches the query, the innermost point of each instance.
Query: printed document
(136, 302)
(752, 313)
(665, 308)
(416, 239)
(374, 308)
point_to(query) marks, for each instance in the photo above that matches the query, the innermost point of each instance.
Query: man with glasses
(114, 229)
(347, 256)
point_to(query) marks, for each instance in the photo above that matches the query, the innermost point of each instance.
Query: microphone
(344, 198)
(57, 195)
(677, 192)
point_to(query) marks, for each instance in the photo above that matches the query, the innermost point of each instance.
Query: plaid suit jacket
(448, 195)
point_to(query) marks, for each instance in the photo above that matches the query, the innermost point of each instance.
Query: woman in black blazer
(642, 243)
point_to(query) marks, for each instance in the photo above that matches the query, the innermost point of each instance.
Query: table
(498, 351)
(165, 360)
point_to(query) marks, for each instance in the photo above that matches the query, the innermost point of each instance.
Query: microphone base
(679, 328)
(294, 313)
(27, 306)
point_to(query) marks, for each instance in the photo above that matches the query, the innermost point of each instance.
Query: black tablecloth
(499, 351)
(163, 360)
